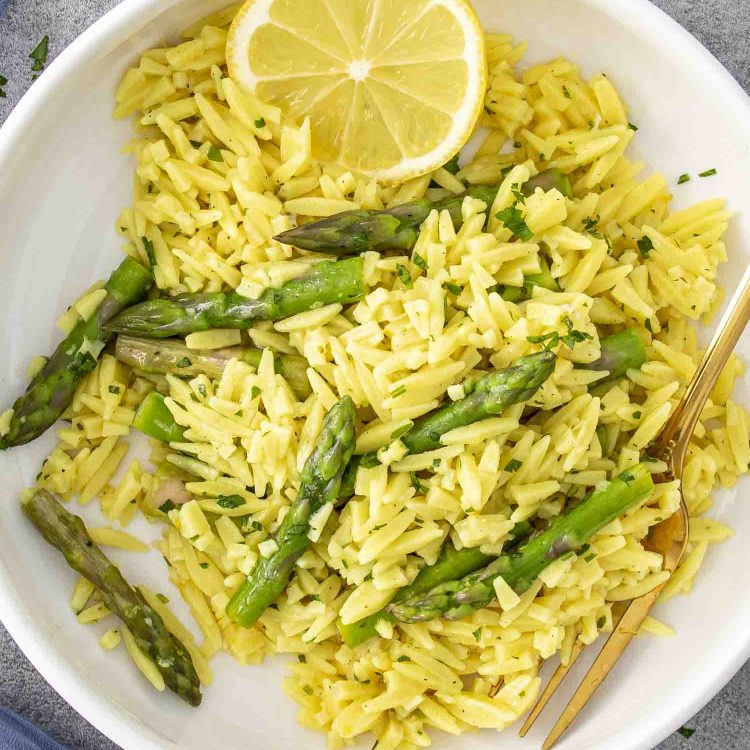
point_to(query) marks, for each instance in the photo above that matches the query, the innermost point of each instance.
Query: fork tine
(559, 676)
(551, 689)
(617, 642)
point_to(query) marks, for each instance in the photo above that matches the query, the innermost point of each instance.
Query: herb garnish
(148, 246)
(708, 173)
(260, 123)
(513, 466)
(3, 81)
(230, 501)
(686, 732)
(184, 362)
(419, 261)
(214, 153)
(512, 219)
(165, 507)
(404, 275)
(683, 178)
(39, 56)
(645, 245)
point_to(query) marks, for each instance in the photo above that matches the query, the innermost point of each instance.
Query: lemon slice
(393, 88)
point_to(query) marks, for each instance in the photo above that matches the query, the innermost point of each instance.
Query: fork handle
(674, 439)
(617, 642)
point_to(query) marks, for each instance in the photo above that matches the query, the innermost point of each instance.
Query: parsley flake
(404, 275)
(114, 389)
(454, 289)
(167, 506)
(256, 525)
(452, 165)
(260, 123)
(230, 501)
(398, 391)
(419, 261)
(683, 178)
(204, 565)
(634, 128)
(512, 219)
(513, 466)
(148, 246)
(686, 732)
(708, 173)
(39, 55)
(184, 362)
(254, 392)
(645, 245)
(477, 634)
(214, 153)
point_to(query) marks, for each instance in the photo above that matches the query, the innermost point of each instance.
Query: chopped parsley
(436, 463)
(647, 323)
(254, 392)
(214, 153)
(184, 362)
(418, 486)
(512, 219)
(204, 565)
(256, 525)
(404, 275)
(167, 506)
(201, 389)
(686, 732)
(398, 391)
(148, 246)
(601, 622)
(591, 223)
(518, 193)
(637, 415)
(708, 173)
(230, 501)
(590, 556)
(163, 599)
(683, 178)
(419, 261)
(114, 389)
(301, 658)
(645, 245)
(196, 144)
(477, 634)
(3, 81)
(403, 658)
(308, 689)
(454, 289)
(627, 477)
(566, 93)
(452, 165)
(553, 338)
(633, 127)
(548, 340)
(39, 55)
(513, 466)
(260, 123)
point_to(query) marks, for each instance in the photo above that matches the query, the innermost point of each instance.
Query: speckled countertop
(722, 25)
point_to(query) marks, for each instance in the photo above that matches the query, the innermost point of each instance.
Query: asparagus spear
(451, 564)
(319, 484)
(395, 229)
(328, 282)
(398, 228)
(160, 357)
(567, 533)
(620, 352)
(51, 390)
(67, 533)
(487, 397)
(520, 293)
(154, 419)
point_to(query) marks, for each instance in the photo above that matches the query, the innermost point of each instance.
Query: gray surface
(722, 25)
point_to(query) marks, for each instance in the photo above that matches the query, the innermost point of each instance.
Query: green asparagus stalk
(489, 396)
(159, 357)
(451, 564)
(327, 282)
(319, 485)
(51, 390)
(153, 418)
(620, 352)
(520, 293)
(567, 533)
(67, 533)
(397, 228)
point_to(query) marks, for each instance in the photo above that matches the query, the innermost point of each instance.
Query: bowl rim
(115, 722)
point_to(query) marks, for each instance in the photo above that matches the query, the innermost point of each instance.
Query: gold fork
(670, 537)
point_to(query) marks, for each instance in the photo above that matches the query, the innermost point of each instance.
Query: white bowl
(63, 183)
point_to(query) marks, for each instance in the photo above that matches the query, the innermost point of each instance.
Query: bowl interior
(64, 182)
